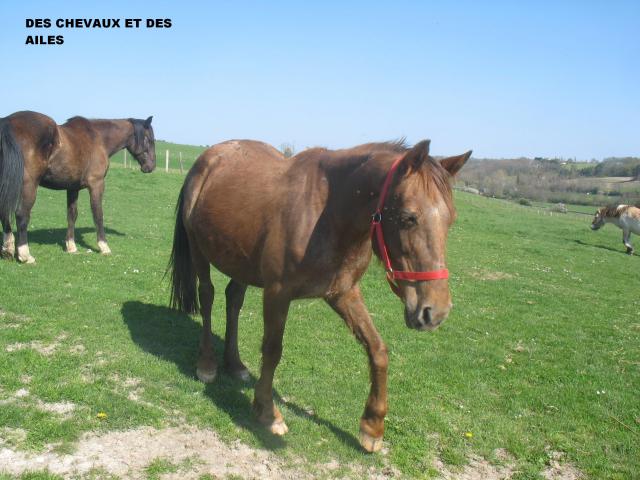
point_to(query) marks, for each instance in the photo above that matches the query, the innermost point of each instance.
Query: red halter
(376, 228)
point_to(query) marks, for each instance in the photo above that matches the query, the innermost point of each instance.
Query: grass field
(538, 359)
(189, 155)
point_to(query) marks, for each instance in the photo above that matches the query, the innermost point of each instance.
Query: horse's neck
(356, 186)
(614, 220)
(115, 134)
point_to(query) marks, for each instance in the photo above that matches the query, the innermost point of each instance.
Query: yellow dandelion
(101, 416)
(468, 434)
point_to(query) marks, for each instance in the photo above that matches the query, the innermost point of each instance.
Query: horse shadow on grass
(604, 247)
(173, 336)
(52, 236)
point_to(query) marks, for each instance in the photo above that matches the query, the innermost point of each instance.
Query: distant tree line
(556, 180)
(614, 167)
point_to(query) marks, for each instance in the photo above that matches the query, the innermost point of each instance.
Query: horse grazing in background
(627, 217)
(301, 227)
(35, 151)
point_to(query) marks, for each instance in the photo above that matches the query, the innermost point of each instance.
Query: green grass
(189, 155)
(546, 316)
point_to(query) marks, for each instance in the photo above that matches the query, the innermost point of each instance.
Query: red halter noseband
(376, 228)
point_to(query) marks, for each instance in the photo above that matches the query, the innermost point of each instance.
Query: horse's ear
(415, 157)
(454, 164)
(147, 122)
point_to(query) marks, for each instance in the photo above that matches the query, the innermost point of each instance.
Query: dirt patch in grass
(191, 453)
(11, 320)
(480, 469)
(46, 349)
(185, 453)
(491, 276)
(65, 409)
(558, 469)
(477, 469)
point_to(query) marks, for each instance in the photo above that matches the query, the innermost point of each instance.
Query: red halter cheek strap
(376, 229)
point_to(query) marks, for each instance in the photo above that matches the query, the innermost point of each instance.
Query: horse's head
(142, 144)
(598, 219)
(416, 218)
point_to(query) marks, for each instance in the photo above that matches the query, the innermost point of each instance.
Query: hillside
(536, 368)
(554, 181)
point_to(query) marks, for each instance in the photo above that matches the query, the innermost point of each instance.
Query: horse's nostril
(426, 315)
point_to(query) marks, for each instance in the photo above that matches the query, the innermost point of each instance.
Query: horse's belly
(60, 183)
(59, 176)
(229, 257)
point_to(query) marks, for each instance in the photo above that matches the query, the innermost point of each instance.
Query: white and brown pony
(627, 217)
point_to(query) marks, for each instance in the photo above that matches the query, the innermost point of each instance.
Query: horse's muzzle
(426, 319)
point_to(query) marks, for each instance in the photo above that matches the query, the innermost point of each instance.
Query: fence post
(166, 161)
(181, 166)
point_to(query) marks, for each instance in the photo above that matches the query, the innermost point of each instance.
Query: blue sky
(502, 78)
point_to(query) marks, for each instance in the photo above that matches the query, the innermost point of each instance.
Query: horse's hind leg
(8, 240)
(23, 215)
(275, 309)
(207, 367)
(234, 294)
(72, 215)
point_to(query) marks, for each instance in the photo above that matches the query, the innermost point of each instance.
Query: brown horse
(301, 228)
(35, 151)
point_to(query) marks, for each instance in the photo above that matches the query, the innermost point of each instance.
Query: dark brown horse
(301, 228)
(35, 151)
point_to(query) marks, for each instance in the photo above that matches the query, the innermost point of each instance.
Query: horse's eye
(408, 219)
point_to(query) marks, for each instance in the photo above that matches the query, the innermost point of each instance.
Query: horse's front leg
(72, 215)
(350, 306)
(626, 235)
(275, 309)
(96, 190)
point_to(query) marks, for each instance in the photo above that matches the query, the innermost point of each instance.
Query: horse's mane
(393, 146)
(613, 211)
(435, 179)
(138, 130)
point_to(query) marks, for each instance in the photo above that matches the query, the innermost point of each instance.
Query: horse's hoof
(206, 376)
(104, 248)
(8, 246)
(369, 443)
(242, 375)
(27, 259)
(71, 246)
(278, 428)
(24, 255)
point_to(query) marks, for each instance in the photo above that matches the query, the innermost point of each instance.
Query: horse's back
(632, 219)
(234, 171)
(231, 194)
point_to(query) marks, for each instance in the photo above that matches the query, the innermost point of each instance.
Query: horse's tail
(11, 170)
(184, 295)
